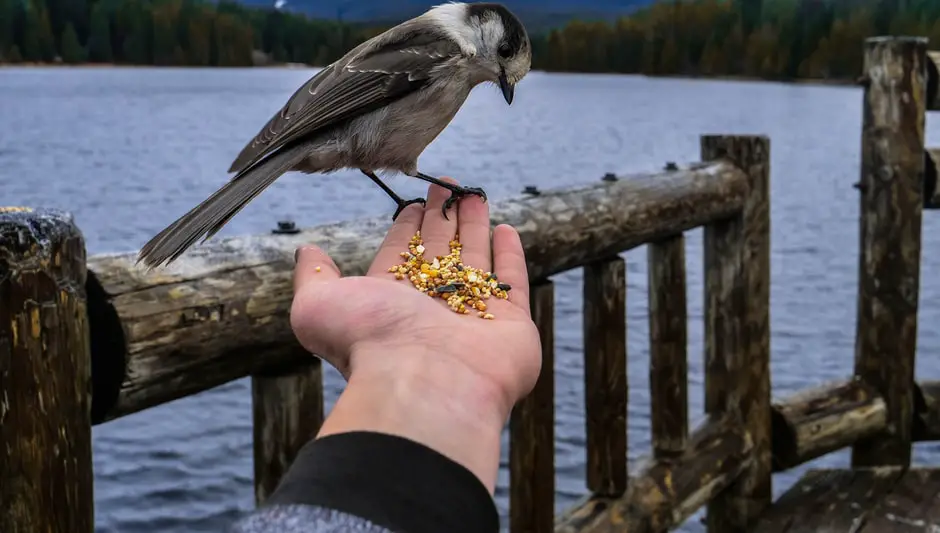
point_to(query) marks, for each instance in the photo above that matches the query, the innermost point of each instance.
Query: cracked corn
(464, 288)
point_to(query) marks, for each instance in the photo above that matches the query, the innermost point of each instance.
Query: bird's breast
(393, 137)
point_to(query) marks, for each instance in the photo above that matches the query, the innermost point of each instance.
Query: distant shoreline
(831, 82)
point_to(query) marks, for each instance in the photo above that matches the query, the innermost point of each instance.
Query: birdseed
(464, 288)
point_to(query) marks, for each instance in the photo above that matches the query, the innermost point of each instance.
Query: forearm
(427, 398)
(411, 445)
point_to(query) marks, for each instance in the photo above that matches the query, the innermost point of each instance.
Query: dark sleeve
(390, 483)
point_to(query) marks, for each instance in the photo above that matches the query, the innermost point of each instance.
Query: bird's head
(497, 37)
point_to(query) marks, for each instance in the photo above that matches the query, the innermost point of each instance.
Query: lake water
(128, 150)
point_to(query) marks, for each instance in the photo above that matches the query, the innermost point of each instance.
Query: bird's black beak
(507, 88)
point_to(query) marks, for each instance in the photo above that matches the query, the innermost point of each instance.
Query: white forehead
(471, 35)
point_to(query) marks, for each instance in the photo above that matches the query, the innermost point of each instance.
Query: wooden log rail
(220, 312)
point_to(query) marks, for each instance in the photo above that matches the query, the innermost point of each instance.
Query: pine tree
(72, 51)
(99, 37)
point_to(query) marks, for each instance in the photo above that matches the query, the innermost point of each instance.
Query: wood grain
(666, 492)
(668, 323)
(817, 421)
(605, 375)
(46, 480)
(891, 187)
(532, 431)
(830, 500)
(221, 312)
(288, 411)
(737, 327)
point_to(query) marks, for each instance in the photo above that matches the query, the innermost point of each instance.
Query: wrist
(426, 396)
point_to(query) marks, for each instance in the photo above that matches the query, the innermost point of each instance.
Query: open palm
(383, 321)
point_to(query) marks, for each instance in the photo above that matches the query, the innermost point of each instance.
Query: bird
(375, 109)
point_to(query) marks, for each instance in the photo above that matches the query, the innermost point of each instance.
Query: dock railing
(85, 341)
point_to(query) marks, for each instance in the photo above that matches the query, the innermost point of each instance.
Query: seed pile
(463, 287)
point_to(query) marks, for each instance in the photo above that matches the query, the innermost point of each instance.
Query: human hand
(378, 325)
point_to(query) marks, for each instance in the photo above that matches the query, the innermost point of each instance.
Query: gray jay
(375, 109)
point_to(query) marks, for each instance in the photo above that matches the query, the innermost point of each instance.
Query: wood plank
(532, 431)
(891, 190)
(828, 500)
(668, 323)
(912, 506)
(605, 375)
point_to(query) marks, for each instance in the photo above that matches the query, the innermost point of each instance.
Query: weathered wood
(666, 492)
(829, 500)
(288, 412)
(220, 312)
(913, 505)
(46, 481)
(927, 411)
(605, 375)
(933, 80)
(532, 430)
(668, 318)
(891, 188)
(814, 422)
(737, 326)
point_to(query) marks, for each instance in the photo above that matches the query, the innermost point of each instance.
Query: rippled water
(128, 150)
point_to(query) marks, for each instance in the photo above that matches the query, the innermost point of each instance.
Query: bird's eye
(504, 51)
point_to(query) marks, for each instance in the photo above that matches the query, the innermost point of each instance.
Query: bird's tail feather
(207, 218)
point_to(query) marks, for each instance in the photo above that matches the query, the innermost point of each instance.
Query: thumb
(313, 265)
(314, 272)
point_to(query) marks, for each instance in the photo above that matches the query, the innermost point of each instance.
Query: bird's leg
(402, 204)
(456, 191)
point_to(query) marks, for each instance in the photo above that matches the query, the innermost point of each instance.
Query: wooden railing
(87, 341)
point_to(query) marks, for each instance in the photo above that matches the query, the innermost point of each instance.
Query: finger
(473, 227)
(509, 264)
(313, 265)
(436, 231)
(397, 239)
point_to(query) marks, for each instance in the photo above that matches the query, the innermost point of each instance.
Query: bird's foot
(457, 192)
(402, 204)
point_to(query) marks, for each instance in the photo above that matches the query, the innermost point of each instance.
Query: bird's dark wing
(344, 91)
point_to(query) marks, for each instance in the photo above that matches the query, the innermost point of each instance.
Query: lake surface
(129, 150)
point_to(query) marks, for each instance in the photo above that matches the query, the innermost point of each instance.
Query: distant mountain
(536, 14)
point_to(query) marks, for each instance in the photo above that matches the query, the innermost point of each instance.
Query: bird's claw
(457, 194)
(405, 203)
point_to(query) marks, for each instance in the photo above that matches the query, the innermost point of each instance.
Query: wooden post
(668, 317)
(288, 412)
(605, 375)
(891, 188)
(532, 431)
(737, 327)
(45, 375)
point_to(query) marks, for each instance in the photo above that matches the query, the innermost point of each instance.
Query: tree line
(774, 39)
(166, 32)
